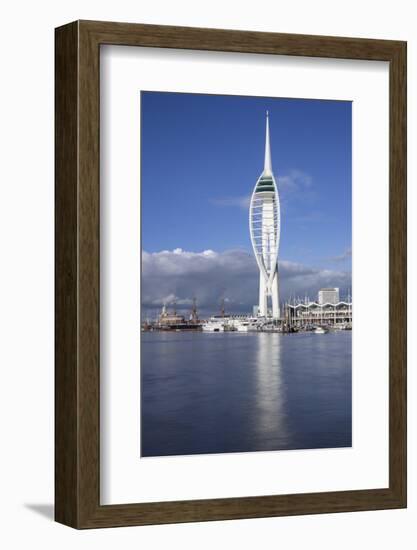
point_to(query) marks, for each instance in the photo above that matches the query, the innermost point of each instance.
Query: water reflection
(222, 393)
(270, 428)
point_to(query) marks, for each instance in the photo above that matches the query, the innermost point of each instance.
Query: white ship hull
(320, 330)
(213, 327)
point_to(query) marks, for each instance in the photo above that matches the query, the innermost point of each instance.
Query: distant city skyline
(200, 158)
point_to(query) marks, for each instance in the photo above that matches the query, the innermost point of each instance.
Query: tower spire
(264, 227)
(268, 163)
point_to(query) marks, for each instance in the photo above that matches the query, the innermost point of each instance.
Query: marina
(299, 316)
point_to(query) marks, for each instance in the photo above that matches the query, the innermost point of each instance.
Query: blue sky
(202, 154)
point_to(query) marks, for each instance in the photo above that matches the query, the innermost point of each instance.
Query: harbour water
(233, 392)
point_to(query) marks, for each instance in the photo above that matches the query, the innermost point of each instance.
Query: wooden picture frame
(77, 405)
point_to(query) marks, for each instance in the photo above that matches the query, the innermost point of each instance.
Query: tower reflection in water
(270, 430)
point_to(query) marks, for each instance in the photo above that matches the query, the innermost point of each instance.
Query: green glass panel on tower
(265, 184)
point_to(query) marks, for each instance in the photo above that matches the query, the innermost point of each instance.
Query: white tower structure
(265, 227)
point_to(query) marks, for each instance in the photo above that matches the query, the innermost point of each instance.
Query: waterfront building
(328, 296)
(304, 314)
(264, 226)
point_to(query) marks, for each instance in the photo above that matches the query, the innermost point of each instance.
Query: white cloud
(179, 275)
(294, 181)
(241, 202)
(347, 254)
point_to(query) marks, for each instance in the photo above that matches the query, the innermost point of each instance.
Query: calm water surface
(230, 392)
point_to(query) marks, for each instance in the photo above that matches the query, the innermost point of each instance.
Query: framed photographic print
(230, 274)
